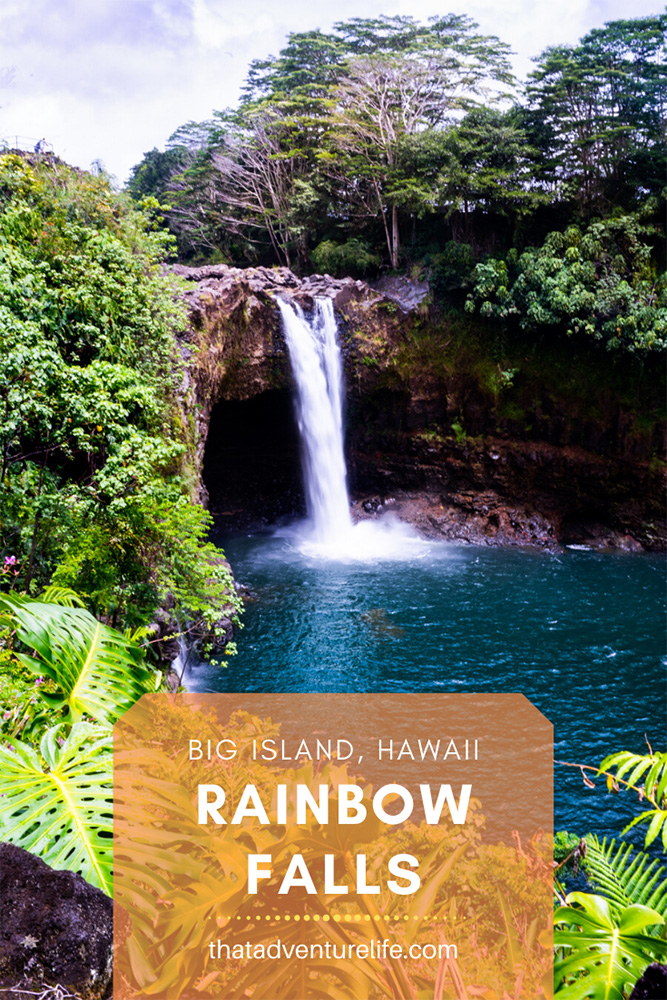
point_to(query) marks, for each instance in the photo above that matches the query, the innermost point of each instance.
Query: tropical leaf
(631, 768)
(96, 670)
(57, 800)
(612, 949)
(624, 876)
(64, 596)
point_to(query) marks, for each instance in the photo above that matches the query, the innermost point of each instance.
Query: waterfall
(180, 664)
(316, 364)
(329, 532)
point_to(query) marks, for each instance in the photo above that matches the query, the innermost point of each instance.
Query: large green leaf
(95, 669)
(57, 801)
(606, 950)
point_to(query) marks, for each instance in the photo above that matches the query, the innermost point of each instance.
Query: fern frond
(64, 596)
(626, 877)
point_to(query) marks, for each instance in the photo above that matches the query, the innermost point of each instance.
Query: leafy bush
(354, 257)
(600, 283)
(94, 466)
(451, 269)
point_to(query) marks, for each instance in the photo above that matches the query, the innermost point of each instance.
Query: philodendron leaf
(96, 670)
(611, 949)
(57, 801)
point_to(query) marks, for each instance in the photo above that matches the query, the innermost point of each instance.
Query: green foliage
(564, 844)
(631, 768)
(94, 670)
(352, 257)
(600, 284)
(152, 176)
(612, 949)
(483, 163)
(387, 130)
(459, 432)
(451, 268)
(23, 713)
(625, 877)
(600, 114)
(55, 782)
(94, 473)
(58, 799)
(61, 595)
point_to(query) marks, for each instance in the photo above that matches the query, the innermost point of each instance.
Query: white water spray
(316, 364)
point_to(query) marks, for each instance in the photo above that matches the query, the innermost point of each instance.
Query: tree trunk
(394, 237)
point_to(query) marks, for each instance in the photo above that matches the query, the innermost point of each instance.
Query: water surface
(580, 633)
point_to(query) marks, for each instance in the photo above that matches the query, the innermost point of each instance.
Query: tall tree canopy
(601, 107)
(385, 139)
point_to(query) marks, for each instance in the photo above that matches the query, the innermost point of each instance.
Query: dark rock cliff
(539, 442)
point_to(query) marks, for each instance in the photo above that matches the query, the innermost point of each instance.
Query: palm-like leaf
(625, 876)
(64, 596)
(96, 670)
(652, 768)
(57, 801)
(612, 949)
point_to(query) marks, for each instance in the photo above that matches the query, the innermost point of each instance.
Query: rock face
(652, 985)
(235, 327)
(55, 929)
(563, 447)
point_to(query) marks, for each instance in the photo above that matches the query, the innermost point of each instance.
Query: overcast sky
(110, 79)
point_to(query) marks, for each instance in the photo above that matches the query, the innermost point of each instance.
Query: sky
(110, 79)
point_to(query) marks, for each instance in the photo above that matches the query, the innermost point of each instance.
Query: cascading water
(180, 664)
(316, 364)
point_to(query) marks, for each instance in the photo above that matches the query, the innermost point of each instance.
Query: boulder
(652, 985)
(56, 930)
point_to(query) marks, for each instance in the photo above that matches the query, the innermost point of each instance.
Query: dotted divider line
(338, 918)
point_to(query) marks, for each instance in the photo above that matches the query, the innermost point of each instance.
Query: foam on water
(387, 539)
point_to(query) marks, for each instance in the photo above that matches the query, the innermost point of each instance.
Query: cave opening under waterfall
(252, 465)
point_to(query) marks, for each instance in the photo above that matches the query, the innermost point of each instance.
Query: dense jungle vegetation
(96, 487)
(381, 146)
(389, 144)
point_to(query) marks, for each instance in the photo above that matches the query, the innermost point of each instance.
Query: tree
(261, 183)
(482, 164)
(387, 96)
(152, 176)
(600, 110)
